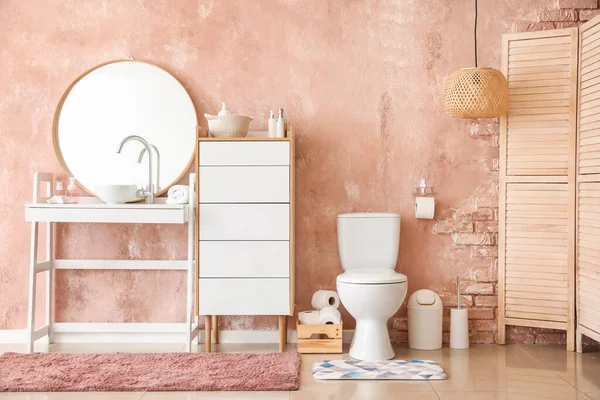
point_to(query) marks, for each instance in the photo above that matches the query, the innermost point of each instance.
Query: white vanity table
(123, 123)
(92, 210)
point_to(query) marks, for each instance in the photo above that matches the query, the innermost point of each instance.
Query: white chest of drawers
(245, 230)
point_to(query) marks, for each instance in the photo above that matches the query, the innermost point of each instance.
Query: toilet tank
(368, 240)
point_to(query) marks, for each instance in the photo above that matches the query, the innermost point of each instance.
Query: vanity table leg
(191, 273)
(189, 318)
(282, 332)
(49, 279)
(215, 329)
(207, 331)
(198, 336)
(32, 275)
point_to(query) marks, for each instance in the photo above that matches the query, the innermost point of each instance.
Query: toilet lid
(371, 275)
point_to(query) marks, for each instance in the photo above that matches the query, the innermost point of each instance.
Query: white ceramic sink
(116, 194)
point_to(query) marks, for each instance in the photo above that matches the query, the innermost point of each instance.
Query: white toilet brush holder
(459, 328)
(459, 324)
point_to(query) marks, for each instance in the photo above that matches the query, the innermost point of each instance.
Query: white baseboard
(9, 336)
(92, 332)
(145, 333)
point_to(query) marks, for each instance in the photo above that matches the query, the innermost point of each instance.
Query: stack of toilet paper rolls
(325, 304)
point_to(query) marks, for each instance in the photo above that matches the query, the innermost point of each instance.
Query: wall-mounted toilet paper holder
(424, 197)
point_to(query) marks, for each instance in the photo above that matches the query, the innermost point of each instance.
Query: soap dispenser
(72, 192)
(224, 111)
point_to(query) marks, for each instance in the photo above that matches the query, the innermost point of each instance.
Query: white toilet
(369, 288)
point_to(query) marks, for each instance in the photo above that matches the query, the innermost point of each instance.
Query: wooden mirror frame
(58, 110)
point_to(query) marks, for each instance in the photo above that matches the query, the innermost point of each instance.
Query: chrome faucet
(149, 191)
(157, 154)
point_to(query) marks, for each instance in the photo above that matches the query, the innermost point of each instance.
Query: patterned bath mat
(394, 369)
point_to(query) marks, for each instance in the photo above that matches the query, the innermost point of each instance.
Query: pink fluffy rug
(56, 372)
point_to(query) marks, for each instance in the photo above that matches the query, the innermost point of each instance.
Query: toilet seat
(371, 276)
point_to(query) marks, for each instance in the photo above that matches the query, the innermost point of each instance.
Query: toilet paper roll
(329, 315)
(309, 317)
(325, 298)
(425, 207)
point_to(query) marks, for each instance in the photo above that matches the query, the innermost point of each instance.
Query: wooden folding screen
(537, 182)
(588, 184)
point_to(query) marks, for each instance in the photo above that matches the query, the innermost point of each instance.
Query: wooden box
(319, 338)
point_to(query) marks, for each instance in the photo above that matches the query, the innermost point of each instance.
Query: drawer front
(230, 296)
(248, 184)
(244, 153)
(244, 221)
(240, 259)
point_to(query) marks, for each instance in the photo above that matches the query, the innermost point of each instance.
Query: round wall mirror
(115, 100)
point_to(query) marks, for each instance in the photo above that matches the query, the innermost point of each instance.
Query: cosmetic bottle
(280, 124)
(224, 111)
(272, 124)
(72, 192)
(59, 190)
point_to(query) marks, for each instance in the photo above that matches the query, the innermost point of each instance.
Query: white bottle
(59, 191)
(272, 124)
(72, 193)
(224, 111)
(280, 124)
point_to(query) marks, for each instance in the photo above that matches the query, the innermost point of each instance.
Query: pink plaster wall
(360, 79)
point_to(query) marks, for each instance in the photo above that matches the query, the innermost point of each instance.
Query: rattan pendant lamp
(476, 92)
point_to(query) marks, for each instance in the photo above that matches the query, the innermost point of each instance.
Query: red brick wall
(565, 14)
(475, 225)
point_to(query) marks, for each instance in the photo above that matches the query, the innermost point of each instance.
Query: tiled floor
(480, 373)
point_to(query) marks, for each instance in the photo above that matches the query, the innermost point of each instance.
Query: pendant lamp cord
(475, 33)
